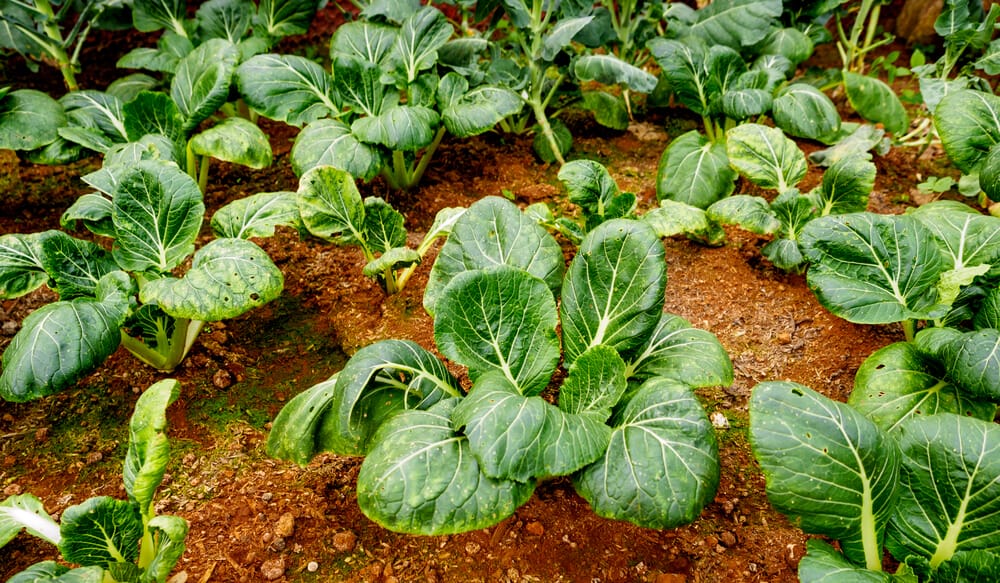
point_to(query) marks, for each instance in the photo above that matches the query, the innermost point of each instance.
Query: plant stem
(425, 158)
(169, 353)
(909, 329)
(57, 48)
(203, 173)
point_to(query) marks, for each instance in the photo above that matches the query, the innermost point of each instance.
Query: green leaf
(148, 446)
(257, 215)
(492, 232)
(286, 88)
(613, 292)
(967, 237)
(61, 342)
(477, 111)
(965, 566)
(861, 139)
(280, 18)
(803, 111)
(676, 350)
(331, 206)
(359, 84)
(563, 138)
(875, 101)
(21, 268)
(662, 466)
(736, 23)
(501, 319)
(610, 70)
(595, 384)
(873, 269)
(201, 83)
(609, 110)
(29, 119)
(898, 382)
(295, 431)
(102, 111)
(407, 128)
(383, 227)
(560, 35)
(52, 572)
(421, 478)
(157, 213)
(765, 156)
(24, 511)
(988, 315)
(152, 15)
(228, 277)
(753, 213)
(224, 19)
(235, 140)
(94, 210)
(589, 185)
(949, 488)
(790, 43)
(363, 39)
(515, 437)
(390, 260)
(678, 218)
(973, 361)
(823, 564)
(784, 253)
(168, 533)
(101, 531)
(828, 468)
(746, 103)
(695, 171)
(417, 42)
(75, 266)
(153, 113)
(969, 125)
(685, 67)
(846, 186)
(329, 142)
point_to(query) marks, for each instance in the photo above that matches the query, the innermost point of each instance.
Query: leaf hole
(808, 435)
(880, 367)
(825, 450)
(798, 392)
(255, 297)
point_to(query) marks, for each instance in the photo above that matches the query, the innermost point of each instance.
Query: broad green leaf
(973, 361)
(785, 254)
(493, 232)
(152, 15)
(828, 468)
(794, 212)
(157, 213)
(695, 171)
(678, 218)
(286, 88)
(846, 186)
(589, 185)
(560, 35)
(257, 215)
(280, 18)
(29, 119)
(613, 292)
(417, 42)
(159, 59)
(964, 566)
(873, 269)
(765, 156)
(516, 437)
(746, 103)
(989, 174)
(969, 125)
(52, 572)
(500, 319)
(358, 83)
(24, 511)
(752, 213)
(148, 446)
(898, 382)
(228, 277)
(875, 101)
(610, 70)
(678, 351)
(390, 260)
(790, 43)
(363, 39)
(595, 383)
(201, 83)
(949, 495)
(685, 67)
(74, 266)
(736, 23)
(406, 128)
(862, 138)
(294, 434)
(378, 382)
(563, 141)
(153, 113)
(331, 206)
(968, 238)
(609, 110)
(988, 315)
(477, 111)
(383, 227)
(421, 478)
(662, 466)
(444, 222)
(803, 111)
(21, 268)
(61, 342)
(102, 111)
(225, 19)
(100, 531)
(823, 564)
(235, 140)
(329, 142)
(168, 533)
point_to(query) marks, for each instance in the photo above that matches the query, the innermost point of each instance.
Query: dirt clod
(94, 457)
(13, 490)
(285, 526)
(312, 567)
(671, 578)
(345, 541)
(273, 569)
(42, 434)
(222, 379)
(9, 328)
(535, 528)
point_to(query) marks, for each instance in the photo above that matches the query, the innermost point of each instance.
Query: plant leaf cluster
(625, 425)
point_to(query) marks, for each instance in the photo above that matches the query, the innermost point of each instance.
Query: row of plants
(625, 422)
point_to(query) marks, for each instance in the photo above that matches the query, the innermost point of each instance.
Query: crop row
(909, 463)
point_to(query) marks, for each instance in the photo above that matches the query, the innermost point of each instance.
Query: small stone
(535, 528)
(9, 328)
(8, 418)
(285, 526)
(266, 496)
(473, 548)
(13, 490)
(94, 457)
(671, 578)
(42, 434)
(728, 539)
(273, 569)
(345, 541)
(719, 420)
(784, 337)
(222, 379)
(278, 545)
(312, 567)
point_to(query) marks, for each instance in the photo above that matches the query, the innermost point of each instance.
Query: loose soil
(253, 518)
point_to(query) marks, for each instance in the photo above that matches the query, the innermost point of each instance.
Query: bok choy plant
(385, 109)
(111, 540)
(130, 295)
(626, 424)
(969, 129)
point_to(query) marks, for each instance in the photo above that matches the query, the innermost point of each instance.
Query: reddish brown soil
(252, 516)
